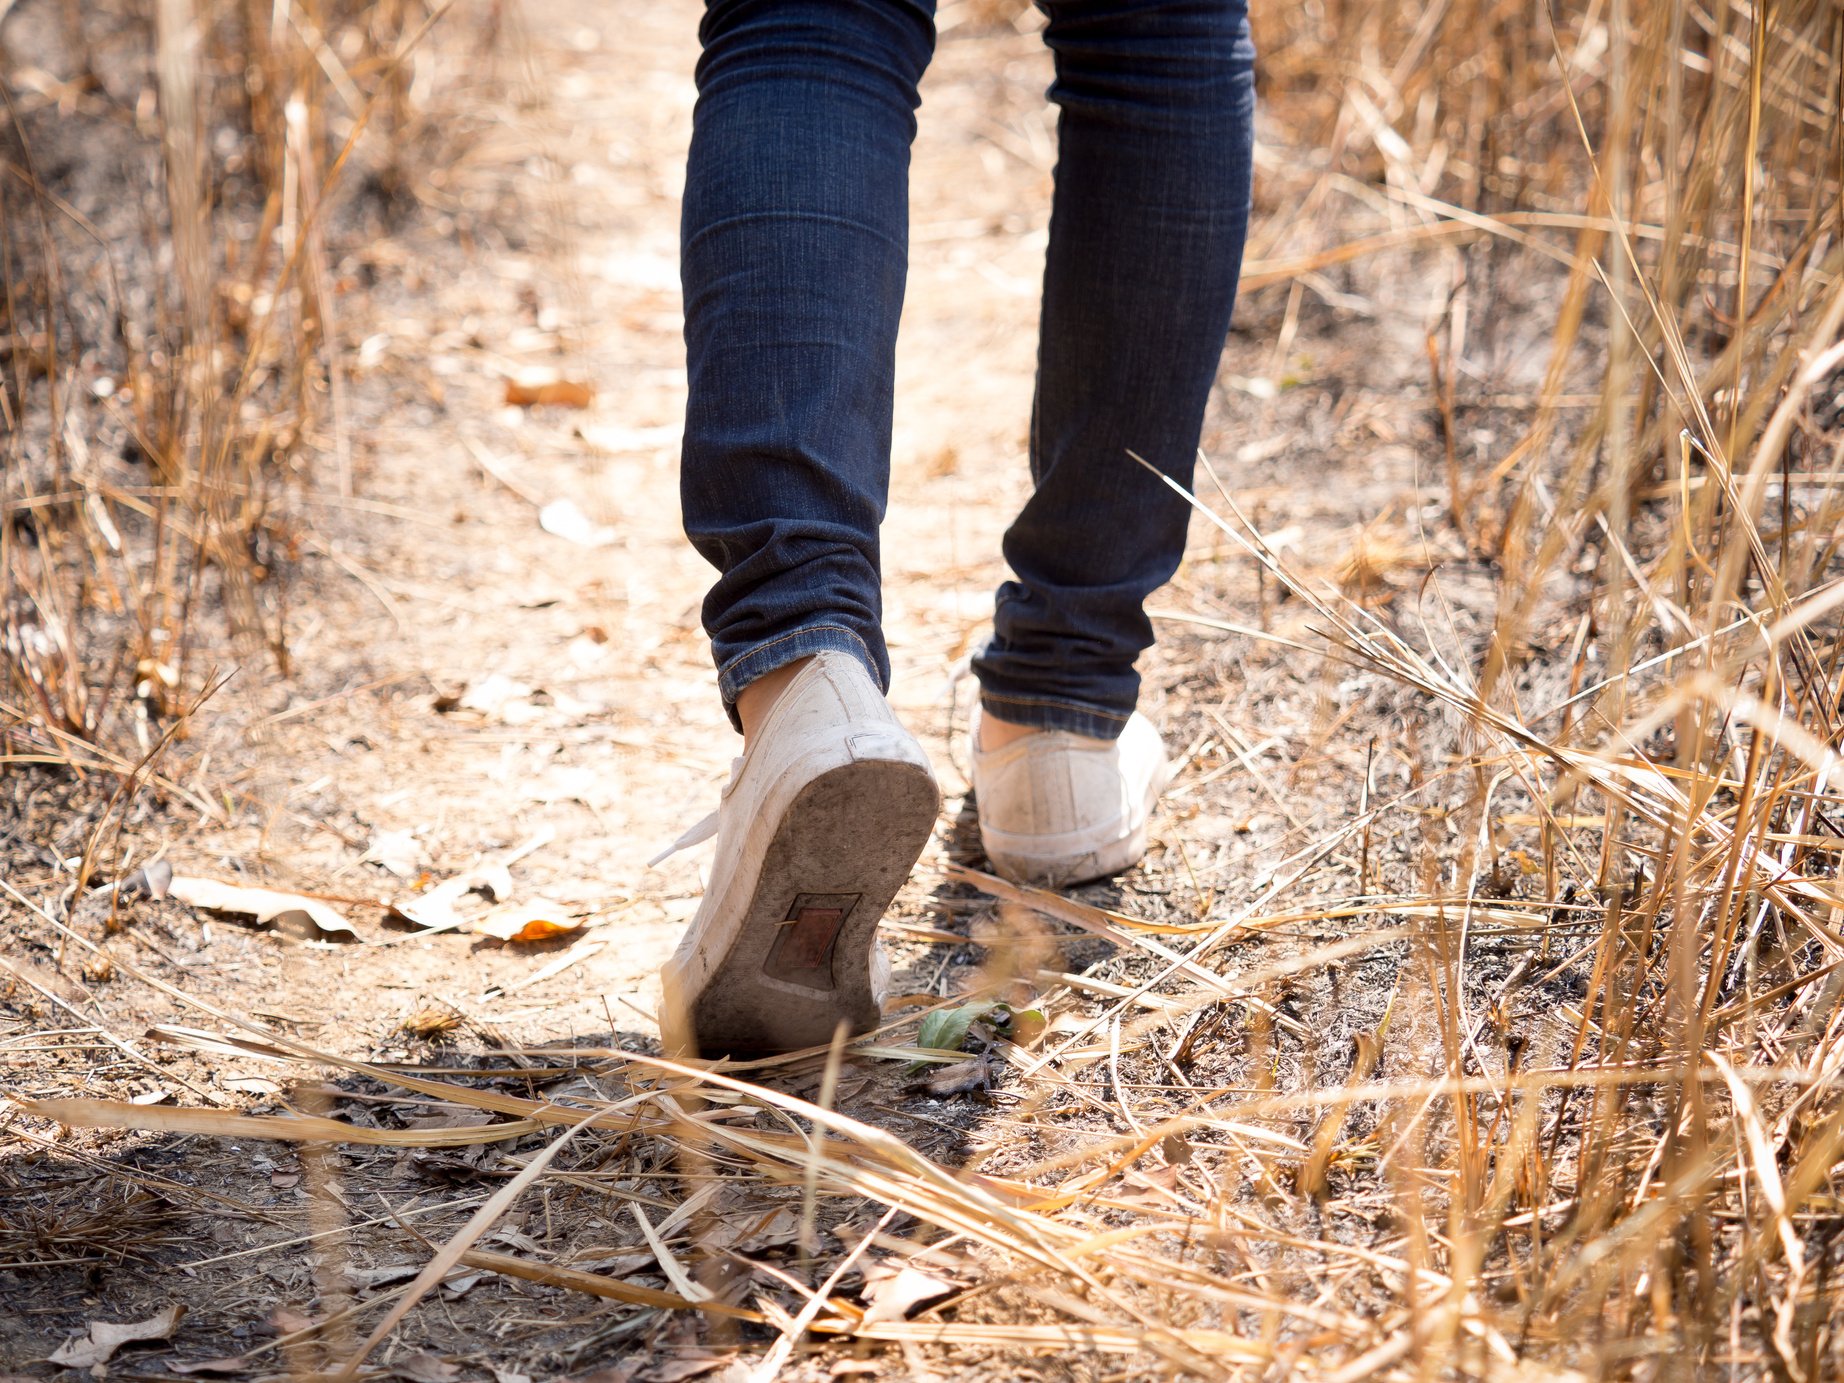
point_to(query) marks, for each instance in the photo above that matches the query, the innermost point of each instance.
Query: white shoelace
(702, 830)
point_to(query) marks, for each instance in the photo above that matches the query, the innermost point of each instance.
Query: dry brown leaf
(535, 390)
(959, 1078)
(893, 1293)
(216, 1043)
(105, 1337)
(431, 1021)
(293, 913)
(677, 1370)
(754, 1234)
(288, 1321)
(538, 920)
(364, 1278)
(231, 1364)
(423, 1368)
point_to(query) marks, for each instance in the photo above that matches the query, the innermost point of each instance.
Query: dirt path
(620, 742)
(588, 713)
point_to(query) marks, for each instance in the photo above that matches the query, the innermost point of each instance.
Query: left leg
(1155, 144)
(1155, 147)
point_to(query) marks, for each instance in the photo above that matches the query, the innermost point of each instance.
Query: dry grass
(1596, 1129)
(175, 373)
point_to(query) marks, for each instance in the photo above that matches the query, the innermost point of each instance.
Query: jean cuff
(1042, 713)
(783, 649)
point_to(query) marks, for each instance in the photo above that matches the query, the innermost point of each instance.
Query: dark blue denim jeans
(794, 251)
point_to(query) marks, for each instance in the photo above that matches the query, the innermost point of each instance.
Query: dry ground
(465, 681)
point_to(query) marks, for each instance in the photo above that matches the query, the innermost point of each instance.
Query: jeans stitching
(780, 639)
(818, 217)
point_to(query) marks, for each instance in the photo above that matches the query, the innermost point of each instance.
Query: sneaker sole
(801, 959)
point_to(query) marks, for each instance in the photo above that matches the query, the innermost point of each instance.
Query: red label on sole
(802, 952)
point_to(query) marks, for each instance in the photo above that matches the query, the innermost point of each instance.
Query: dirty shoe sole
(800, 960)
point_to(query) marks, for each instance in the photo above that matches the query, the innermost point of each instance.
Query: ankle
(757, 700)
(996, 733)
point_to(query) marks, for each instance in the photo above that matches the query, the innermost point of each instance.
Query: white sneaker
(1058, 808)
(817, 829)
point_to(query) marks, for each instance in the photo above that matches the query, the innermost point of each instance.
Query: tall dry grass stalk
(174, 374)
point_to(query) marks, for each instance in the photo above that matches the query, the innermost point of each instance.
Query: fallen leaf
(893, 1293)
(288, 1321)
(152, 880)
(217, 1043)
(1153, 1188)
(959, 1078)
(562, 519)
(754, 1234)
(431, 1021)
(292, 913)
(492, 878)
(501, 1375)
(676, 1370)
(381, 1276)
(538, 920)
(397, 852)
(233, 1364)
(606, 437)
(491, 695)
(105, 1337)
(423, 1368)
(436, 908)
(539, 389)
(515, 703)
(253, 1085)
(946, 1029)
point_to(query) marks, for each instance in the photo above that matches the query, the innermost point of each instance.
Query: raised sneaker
(818, 827)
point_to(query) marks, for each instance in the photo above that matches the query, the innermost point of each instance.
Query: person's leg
(793, 253)
(1151, 209)
(794, 242)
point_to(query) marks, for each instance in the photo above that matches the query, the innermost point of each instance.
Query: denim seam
(1054, 704)
(804, 630)
(821, 218)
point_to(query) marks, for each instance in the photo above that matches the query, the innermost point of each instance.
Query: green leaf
(946, 1028)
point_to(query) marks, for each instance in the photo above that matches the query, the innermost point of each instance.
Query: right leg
(793, 257)
(794, 251)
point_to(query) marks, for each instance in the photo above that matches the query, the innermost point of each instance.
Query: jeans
(794, 252)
